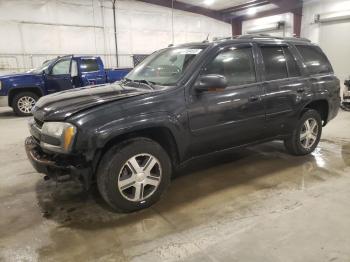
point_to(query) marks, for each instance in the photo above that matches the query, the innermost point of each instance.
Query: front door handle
(301, 90)
(253, 98)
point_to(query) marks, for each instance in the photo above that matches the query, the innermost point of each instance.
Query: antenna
(206, 40)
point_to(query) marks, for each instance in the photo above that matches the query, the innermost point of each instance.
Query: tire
(295, 144)
(23, 103)
(120, 178)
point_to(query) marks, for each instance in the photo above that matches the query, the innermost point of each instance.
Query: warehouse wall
(333, 37)
(261, 22)
(36, 30)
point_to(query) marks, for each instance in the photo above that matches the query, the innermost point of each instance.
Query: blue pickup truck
(21, 91)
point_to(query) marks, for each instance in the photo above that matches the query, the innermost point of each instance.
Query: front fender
(27, 88)
(23, 83)
(102, 135)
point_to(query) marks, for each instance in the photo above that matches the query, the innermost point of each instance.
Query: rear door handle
(253, 98)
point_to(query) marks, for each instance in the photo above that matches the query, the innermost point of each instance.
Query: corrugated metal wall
(34, 31)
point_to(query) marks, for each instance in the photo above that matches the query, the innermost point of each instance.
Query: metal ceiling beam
(225, 15)
(189, 8)
(284, 6)
(247, 5)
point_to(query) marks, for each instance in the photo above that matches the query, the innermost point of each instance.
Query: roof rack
(264, 36)
(222, 38)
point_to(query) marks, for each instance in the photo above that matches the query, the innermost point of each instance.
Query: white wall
(309, 28)
(333, 37)
(260, 22)
(33, 31)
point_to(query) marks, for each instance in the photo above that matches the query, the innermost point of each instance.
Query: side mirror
(210, 82)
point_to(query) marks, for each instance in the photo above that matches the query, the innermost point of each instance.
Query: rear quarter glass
(315, 60)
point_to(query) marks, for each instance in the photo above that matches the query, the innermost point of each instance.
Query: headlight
(58, 136)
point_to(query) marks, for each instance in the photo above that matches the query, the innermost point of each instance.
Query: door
(284, 86)
(59, 78)
(92, 71)
(233, 116)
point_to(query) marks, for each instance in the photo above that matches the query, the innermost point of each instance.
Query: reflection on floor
(256, 204)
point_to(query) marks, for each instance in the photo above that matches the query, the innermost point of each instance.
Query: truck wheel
(134, 174)
(23, 103)
(306, 135)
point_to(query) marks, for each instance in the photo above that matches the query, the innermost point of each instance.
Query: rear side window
(316, 62)
(275, 62)
(236, 64)
(89, 65)
(293, 68)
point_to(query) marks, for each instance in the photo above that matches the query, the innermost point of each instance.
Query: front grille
(38, 122)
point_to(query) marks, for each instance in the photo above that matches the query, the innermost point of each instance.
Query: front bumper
(57, 167)
(4, 101)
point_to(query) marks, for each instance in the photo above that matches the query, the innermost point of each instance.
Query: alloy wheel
(25, 104)
(139, 177)
(309, 133)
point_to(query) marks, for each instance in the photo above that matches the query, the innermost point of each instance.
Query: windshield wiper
(150, 84)
(147, 82)
(125, 80)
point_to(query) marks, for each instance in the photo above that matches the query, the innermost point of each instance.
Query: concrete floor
(258, 204)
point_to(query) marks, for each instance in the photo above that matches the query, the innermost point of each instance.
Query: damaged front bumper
(57, 167)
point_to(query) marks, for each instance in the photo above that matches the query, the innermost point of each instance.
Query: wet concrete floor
(256, 204)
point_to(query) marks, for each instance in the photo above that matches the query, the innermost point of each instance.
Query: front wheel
(133, 175)
(306, 135)
(23, 103)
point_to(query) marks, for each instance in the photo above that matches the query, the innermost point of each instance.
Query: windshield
(41, 68)
(165, 67)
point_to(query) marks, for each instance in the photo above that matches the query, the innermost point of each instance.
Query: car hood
(14, 80)
(14, 76)
(64, 104)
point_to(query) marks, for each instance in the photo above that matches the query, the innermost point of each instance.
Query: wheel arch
(160, 134)
(321, 106)
(13, 92)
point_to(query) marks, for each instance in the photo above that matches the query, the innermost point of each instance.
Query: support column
(297, 16)
(236, 26)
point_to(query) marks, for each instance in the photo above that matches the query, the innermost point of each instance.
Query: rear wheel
(306, 135)
(23, 103)
(133, 175)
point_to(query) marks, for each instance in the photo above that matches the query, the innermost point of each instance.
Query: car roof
(249, 39)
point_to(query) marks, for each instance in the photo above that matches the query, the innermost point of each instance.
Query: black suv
(180, 103)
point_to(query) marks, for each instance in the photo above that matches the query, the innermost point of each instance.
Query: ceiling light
(209, 2)
(251, 11)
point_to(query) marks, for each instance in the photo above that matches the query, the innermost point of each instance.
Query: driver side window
(236, 64)
(61, 68)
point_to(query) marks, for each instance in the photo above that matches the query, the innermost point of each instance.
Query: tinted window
(293, 68)
(61, 68)
(275, 62)
(89, 65)
(315, 61)
(237, 65)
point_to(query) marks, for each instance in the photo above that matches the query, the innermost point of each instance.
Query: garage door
(334, 40)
